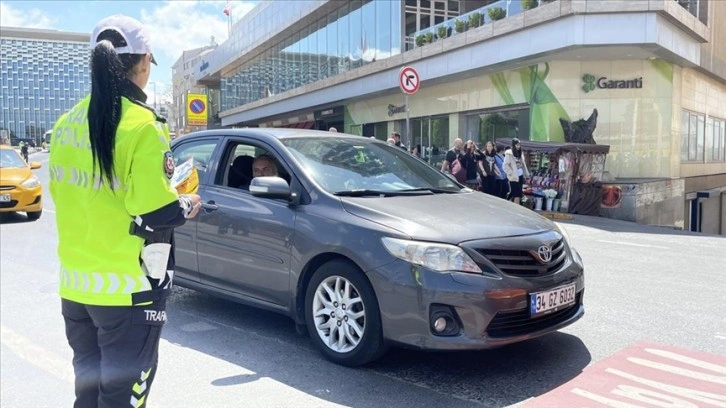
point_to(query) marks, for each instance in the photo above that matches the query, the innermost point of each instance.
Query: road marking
(721, 335)
(645, 374)
(50, 211)
(632, 244)
(40, 357)
(44, 359)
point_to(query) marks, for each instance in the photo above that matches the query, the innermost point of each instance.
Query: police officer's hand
(196, 205)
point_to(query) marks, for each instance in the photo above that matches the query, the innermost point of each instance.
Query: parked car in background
(20, 189)
(366, 246)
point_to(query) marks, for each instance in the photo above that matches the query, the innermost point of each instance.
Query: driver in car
(264, 166)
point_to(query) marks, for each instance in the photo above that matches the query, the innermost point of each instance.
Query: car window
(200, 151)
(241, 158)
(9, 158)
(345, 164)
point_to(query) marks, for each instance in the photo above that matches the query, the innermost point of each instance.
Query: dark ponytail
(109, 72)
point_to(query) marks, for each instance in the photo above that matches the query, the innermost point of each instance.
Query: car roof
(274, 133)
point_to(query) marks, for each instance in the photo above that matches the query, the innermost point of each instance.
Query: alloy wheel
(339, 314)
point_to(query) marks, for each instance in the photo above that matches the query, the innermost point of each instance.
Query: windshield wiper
(382, 193)
(430, 189)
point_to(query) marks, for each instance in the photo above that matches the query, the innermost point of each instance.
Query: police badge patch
(169, 164)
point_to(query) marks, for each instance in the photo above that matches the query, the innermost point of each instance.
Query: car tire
(370, 345)
(32, 216)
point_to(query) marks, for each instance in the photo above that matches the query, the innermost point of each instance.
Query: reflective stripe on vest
(80, 178)
(108, 283)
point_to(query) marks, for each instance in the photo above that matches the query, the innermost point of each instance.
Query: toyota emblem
(545, 253)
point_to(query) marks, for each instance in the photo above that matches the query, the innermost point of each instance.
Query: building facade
(182, 84)
(43, 73)
(655, 72)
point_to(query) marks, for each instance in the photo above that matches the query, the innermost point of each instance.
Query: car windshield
(347, 166)
(10, 158)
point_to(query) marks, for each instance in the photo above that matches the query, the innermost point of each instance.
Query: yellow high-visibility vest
(99, 257)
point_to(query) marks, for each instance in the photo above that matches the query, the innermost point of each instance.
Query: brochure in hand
(186, 178)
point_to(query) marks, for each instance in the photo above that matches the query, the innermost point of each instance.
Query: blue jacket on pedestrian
(500, 165)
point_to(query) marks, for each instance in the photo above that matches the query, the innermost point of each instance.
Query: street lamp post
(154, 83)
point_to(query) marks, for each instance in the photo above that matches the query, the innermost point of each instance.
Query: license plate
(542, 303)
(5, 198)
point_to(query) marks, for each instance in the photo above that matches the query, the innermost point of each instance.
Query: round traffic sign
(197, 106)
(408, 80)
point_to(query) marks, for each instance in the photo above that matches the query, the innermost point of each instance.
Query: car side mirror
(270, 187)
(35, 165)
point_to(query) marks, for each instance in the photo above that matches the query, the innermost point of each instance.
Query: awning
(555, 147)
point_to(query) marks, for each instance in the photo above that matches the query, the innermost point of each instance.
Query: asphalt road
(642, 283)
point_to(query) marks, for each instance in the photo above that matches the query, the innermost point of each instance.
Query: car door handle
(209, 206)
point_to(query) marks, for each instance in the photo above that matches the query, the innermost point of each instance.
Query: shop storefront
(640, 106)
(634, 100)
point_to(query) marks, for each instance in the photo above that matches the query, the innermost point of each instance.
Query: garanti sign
(590, 82)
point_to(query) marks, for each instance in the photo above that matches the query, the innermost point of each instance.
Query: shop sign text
(591, 82)
(393, 109)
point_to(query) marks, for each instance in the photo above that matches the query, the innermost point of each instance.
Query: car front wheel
(342, 315)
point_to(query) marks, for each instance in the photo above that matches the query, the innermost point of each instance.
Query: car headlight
(437, 257)
(31, 182)
(561, 229)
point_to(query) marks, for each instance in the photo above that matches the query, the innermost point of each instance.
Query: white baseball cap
(136, 35)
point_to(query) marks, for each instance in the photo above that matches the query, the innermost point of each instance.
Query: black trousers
(115, 352)
(489, 185)
(503, 188)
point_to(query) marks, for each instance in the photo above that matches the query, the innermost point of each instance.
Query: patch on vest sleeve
(169, 164)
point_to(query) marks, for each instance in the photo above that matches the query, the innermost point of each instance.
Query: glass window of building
(692, 136)
(356, 33)
(715, 129)
(491, 125)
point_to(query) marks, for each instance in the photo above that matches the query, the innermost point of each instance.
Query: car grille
(517, 323)
(9, 204)
(6, 188)
(519, 262)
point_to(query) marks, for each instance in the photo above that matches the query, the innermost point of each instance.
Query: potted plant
(529, 4)
(420, 40)
(429, 37)
(475, 20)
(550, 195)
(496, 13)
(443, 31)
(459, 26)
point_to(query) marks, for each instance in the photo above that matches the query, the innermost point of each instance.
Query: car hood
(450, 218)
(14, 175)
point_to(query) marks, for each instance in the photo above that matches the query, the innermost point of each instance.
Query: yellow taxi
(20, 189)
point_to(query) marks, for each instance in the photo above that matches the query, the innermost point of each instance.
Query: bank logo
(589, 83)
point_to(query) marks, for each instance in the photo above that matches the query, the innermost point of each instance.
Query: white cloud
(181, 25)
(33, 18)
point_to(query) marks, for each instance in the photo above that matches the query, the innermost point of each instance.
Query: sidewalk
(615, 225)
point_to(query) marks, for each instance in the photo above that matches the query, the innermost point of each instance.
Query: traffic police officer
(110, 170)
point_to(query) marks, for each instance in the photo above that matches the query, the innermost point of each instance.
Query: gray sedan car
(366, 246)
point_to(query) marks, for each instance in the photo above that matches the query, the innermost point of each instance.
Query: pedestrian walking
(24, 150)
(115, 213)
